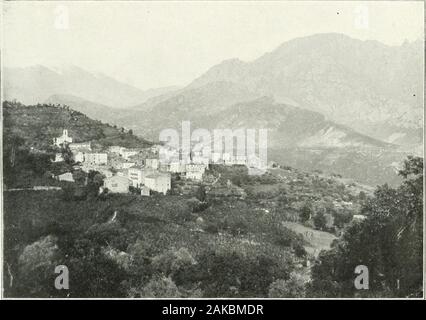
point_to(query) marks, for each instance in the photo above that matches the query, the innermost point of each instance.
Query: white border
(197, 299)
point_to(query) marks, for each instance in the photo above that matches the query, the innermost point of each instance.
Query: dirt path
(35, 188)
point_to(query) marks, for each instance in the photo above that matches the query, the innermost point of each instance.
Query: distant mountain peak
(372, 87)
(34, 84)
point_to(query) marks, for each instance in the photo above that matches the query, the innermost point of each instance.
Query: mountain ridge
(363, 84)
(35, 84)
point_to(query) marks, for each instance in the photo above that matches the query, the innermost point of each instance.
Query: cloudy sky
(153, 44)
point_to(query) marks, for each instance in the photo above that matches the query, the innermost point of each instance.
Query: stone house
(145, 191)
(81, 146)
(160, 182)
(67, 176)
(58, 157)
(177, 167)
(195, 171)
(117, 184)
(135, 174)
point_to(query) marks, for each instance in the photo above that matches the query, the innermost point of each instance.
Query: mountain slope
(38, 125)
(198, 105)
(298, 137)
(374, 88)
(35, 84)
(290, 126)
(91, 109)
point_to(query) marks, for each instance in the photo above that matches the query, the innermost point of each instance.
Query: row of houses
(175, 158)
(155, 181)
(141, 168)
(123, 162)
(81, 152)
(170, 159)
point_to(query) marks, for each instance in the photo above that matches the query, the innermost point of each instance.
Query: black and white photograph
(268, 150)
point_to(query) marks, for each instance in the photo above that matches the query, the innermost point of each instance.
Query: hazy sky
(152, 44)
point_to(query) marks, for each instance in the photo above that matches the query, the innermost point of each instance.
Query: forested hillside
(39, 124)
(28, 133)
(205, 244)
(389, 243)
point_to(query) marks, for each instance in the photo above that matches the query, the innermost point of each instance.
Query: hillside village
(141, 168)
(138, 168)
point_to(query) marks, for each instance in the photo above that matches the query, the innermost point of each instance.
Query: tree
(342, 217)
(67, 155)
(95, 180)
(175, 264)
(36, 268)
(388, 242)
(79, 177)
(306, 212)
(160, 287)
(92, 273)
(229, 273)
(320, 220)
(201, 193)
(362, 196)
(294, 287)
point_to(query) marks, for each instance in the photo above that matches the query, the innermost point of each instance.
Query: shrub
(294, 287)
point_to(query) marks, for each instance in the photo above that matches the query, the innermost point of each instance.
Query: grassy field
(319, 240)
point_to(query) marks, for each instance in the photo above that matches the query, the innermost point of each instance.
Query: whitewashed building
(147, 172)
(117, 184)
(67, 176)
(58, 157)
(194, 175)
(64, 139)
(160, 182)
(81, 146)
(145, 191)
(228, 159)
(127, 165)
(195, 171)
(135, 174)
(240, 159)
(216, 158)
(127, 153)
(201, 160)
(359, 217)
(177, 167)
